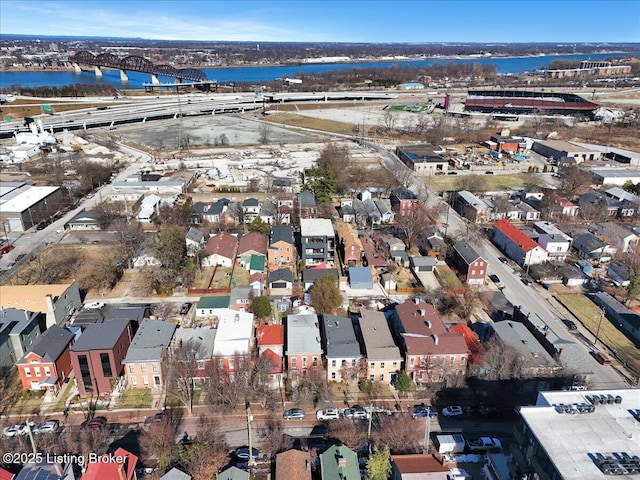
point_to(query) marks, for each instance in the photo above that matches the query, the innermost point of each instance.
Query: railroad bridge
(136, 63)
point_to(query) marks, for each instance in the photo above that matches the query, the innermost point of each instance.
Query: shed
(360, 278)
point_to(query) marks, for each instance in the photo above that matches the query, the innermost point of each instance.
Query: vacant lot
(310, 122)
(589, 315)
(489, 182)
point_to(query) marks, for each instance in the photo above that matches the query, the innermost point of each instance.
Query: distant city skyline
(453, 21)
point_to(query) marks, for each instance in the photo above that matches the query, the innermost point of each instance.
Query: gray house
(618, 314)
(341, 348)
(18, 331)
(317, 240)
(280, 282)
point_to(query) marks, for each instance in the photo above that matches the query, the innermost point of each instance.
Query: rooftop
(24, 200)
(571, 441)
(281, 233)
(203, 336)
(316, 227)
(234, 335)
(270, 334)
(253, 241)
(100, 336)
(50, 344)
(516, 335)
(339, 462)
(293, 464)
(220, 301)
(223, 244)
(378, 342)
(150, 341)
(30, 297)
(340, 337)
(515, 235)
(303, 334)
(466, 251)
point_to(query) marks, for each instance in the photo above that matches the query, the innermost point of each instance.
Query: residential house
(373, 256)
(553, 240)
(303, 347)
(619, 274)
(417, 466)
(233, 473)
(209, 212)
(256, 279)
(618, 314)
(590, 247)
(360, 278)
(360, 211)
(282, 184)
(175, 474)
(619, 237)
(389, 243)
(19, 329)
(469, 262)
(285, 205)
(280, 282)
(282, 249)
(46, 470)
(253, 243)
(423, 264)
(434, 245)
(97, 356)
(149, 208)
(535, 360)
(317, 239)
(293, 464)
(341, 348)
(596, 206)
(349, 245)
(270, 340)
(269, 212)
(431, 352)
(146, 256)
(145, 362)
(57, 301)
(630, 200)
(120, 465)
(311, 275)
(85, 220)
(101, 313)
(199, 339)
(382, 354)
(516, 245)
(565, 207)
(339, 463)
(212, 306)
(220, 250)
(307, 206)
(387, 215)
(347, 212)
(373, 214)
(47, 363)
(471, 207)
(195, 240)
(403, 201)
(527, 213)
(250, 209)
(240, 298)
(233, 342)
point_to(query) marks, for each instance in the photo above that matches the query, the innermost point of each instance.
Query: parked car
(20, 257)
(328, 414)
(452, 173)
(488, 172)
(503, 259)
(242, 453)
(600, 357)
(526, 281)
(185, 307)
(453, 411)
(293, 414)
(358, 411)
(50, 426)
(17, 429)
(44, 224)
(422, 410)
(7, 248)
(484, 443)
(97, 423)
(155, 419)
(569, 324)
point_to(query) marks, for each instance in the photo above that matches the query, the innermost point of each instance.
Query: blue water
(268, 73)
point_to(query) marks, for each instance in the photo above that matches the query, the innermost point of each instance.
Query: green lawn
(589, 315)
(135, 398)
(490, 183)
(447, 277)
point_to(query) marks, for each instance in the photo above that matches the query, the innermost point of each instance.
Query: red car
(7, 248)
(600, 357)
(97, 423)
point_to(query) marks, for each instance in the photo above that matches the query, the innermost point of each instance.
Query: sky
(499, 21)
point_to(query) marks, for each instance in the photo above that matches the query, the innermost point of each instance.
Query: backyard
(135, 398)
(589, 315)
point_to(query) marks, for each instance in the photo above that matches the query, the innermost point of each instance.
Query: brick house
(47, 363)
(97, 356)
(270, 340)
(303, 347)
(430, 351)
(119, 466)
(341, 348)
(403, 201)
(469, 262)
(145, 361)
(233, 341)
(382, 354)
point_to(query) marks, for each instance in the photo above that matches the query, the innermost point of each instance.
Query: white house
(515, 244)
(149, 208)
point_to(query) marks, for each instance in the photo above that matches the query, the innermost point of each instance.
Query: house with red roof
(566, 207)
(220, 250)
(270, 348)
(430, 351)
(121, 465)
(516, 245)
(470, 337)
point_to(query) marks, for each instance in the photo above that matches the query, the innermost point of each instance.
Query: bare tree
(401, 433)
(223, 389)
(415, 225)
(203, 459)
(272, 435)
(129, 237)
(573, 180)
(502, 361)
(348, 432)
(158, 442)
(265, 133)
(389, 120)
(182, 369)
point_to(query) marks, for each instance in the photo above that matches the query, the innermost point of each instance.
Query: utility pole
(602, 314)
(369, 428)
(249, 420)
(427, 430)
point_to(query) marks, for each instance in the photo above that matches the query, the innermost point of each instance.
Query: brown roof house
(293, 464)
(431, 352)
(220, 250)
(253, 243)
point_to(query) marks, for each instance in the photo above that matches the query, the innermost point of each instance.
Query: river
(507, 65)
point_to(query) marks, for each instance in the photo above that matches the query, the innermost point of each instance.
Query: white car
(453, 411)
(17, 429)
(328, 414)
(50, 426)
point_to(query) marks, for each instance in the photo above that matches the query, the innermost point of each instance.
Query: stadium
(522, 101)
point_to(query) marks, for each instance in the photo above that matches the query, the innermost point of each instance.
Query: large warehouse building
(23, 206)
(423, 159)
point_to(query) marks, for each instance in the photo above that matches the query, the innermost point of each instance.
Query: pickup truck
(484, 443)
(495, 279)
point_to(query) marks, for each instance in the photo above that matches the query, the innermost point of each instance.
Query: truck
(450, 443)
(484, 443)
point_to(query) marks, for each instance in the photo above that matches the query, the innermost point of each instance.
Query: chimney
(435, 338)
(50, 306)
(416, 301)
(422, 312)
(236, 318)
